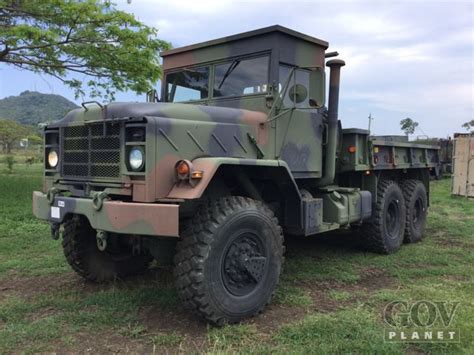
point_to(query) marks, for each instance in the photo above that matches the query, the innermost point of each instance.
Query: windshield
(234, 78)
(241, 77)
(189, 84)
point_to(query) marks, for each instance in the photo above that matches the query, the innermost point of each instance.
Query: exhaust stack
(333, 107)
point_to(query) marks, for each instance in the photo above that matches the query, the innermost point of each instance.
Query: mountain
(31, 107)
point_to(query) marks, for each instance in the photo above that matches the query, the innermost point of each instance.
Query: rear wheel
(383, 233)
(416, 204)
(116, 261)
(229, 259)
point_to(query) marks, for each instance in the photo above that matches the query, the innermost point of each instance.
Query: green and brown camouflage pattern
(113, 216)
(252, 130)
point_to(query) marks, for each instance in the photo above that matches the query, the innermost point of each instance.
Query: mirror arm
(279, 98)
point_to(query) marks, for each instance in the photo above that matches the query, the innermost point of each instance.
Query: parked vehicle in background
(463, 165)
(445, 154)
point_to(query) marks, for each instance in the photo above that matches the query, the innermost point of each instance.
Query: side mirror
(317, 86)
(298, 93)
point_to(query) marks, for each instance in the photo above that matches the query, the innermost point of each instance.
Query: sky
(403, 58)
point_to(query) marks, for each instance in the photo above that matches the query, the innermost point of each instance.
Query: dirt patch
(179, 322)
(275, 316)
(104, 342)
(41, 314)
(451, 243)
(158, 320)
(460, 278)
(371, 279)
(28, 287)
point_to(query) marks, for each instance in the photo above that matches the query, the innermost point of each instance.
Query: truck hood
(119, 110)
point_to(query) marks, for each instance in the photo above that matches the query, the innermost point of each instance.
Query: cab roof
(244, 35)
(289, 46)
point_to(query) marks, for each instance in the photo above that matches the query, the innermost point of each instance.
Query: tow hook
(101, 240)
(55, 230)
(51, 195)
(98, 200)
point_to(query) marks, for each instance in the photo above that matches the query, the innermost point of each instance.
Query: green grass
(25, 245)
(169, 340)
(355, 330)
(330, 298)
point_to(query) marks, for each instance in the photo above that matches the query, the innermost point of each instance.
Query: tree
(468, 125)
(104, 49)
(34, 139)
(408, 126)
(11, 132)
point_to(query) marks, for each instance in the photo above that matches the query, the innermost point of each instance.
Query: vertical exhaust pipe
(333, 108)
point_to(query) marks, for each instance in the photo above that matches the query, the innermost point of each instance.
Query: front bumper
(113, 216)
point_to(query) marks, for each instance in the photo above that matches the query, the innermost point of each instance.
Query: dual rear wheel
(399, 216)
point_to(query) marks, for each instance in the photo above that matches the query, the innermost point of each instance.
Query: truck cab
(276, 71)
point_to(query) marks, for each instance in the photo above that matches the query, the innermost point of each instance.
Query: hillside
(31, 107)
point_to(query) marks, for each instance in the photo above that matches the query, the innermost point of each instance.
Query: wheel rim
(417, 213)
(244, 264)
(392, 219)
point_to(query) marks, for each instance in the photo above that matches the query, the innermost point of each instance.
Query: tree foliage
(408, 126)
(35, 139)
(468, 125)
(10, 133)
(82, 43)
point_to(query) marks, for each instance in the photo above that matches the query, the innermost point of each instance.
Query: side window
(188, 84)
(241, 77)
(300, 76)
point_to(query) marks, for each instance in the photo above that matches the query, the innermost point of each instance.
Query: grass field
(330, 298)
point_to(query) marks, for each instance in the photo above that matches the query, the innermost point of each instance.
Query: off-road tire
(416, 204)
(382, 233)
(81, 252)
(201, 262)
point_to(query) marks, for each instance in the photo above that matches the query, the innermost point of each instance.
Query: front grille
(91, 151)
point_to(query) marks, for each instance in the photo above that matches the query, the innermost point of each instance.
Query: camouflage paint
(114, 216)
(247, 130)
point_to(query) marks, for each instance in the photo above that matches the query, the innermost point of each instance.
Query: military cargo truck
(240, 154)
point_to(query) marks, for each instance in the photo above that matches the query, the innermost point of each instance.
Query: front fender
(209, 167)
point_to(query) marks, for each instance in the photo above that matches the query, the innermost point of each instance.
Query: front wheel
(229, 259)
(81, 252)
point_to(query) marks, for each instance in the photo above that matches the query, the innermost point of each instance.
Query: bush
(10, 161)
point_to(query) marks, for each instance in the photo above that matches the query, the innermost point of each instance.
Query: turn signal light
(197, 174)
(182, 168)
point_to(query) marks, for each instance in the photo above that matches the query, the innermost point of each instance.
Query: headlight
(136, 158)
(53, 158)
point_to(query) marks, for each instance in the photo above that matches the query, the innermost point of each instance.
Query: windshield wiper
(229, 71)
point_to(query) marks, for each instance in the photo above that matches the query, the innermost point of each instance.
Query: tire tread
(194, 247)
(372, 230)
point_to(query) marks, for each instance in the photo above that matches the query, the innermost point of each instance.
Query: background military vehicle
(241, 153)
